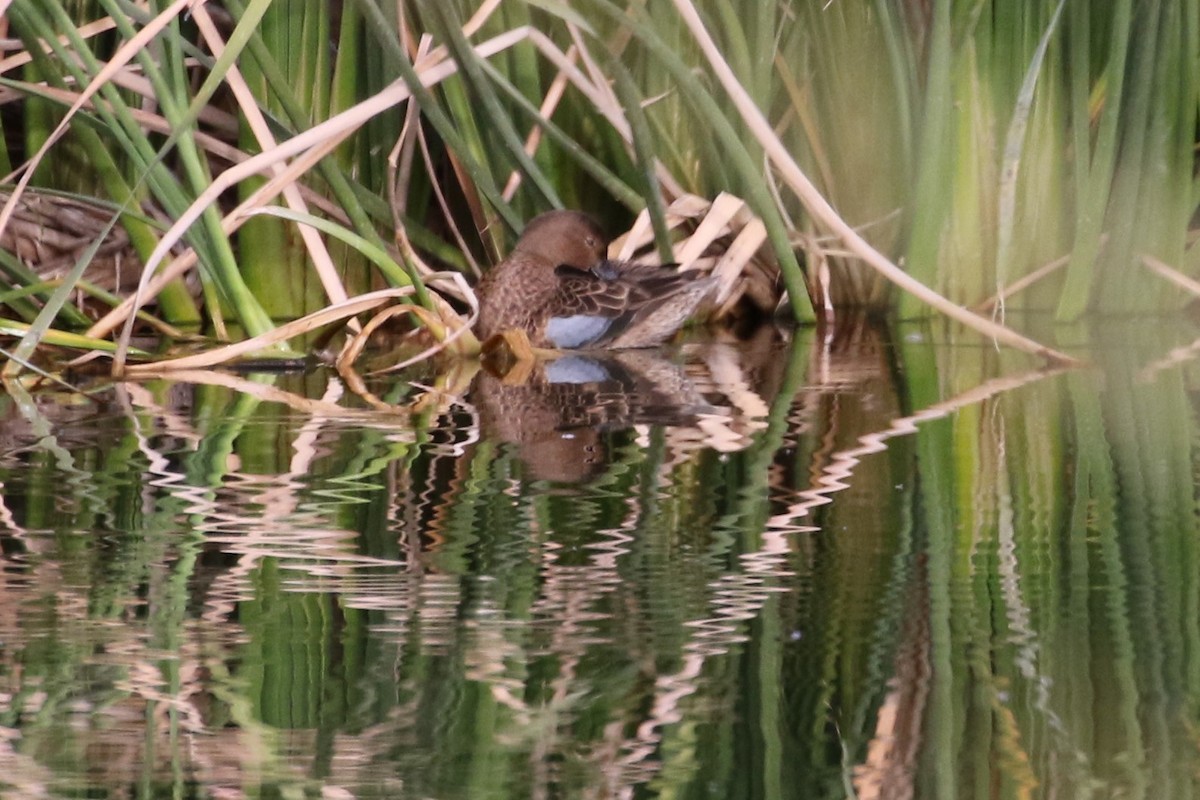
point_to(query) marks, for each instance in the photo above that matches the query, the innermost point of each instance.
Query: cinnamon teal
(559, 289)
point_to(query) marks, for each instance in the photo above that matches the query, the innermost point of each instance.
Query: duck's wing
(592, 307)
(586, 309)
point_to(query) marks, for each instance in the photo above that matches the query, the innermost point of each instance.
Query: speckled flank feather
(557, 287)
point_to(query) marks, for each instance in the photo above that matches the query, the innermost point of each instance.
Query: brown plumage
(557, 286)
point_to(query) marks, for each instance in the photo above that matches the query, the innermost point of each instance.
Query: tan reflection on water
(716, 399)
(707, 404)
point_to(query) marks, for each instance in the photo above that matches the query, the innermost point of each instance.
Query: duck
(559, 289)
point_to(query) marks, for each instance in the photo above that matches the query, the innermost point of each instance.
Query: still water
(873, 564)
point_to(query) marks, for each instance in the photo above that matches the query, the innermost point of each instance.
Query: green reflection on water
(845, 567)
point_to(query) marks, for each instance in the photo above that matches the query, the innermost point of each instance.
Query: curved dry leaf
(307, 323)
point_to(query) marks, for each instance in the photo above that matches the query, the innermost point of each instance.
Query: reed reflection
(788, 565)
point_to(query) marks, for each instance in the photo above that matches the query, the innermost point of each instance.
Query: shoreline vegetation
(267, 173)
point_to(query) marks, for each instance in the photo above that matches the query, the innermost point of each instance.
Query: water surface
(861, 564)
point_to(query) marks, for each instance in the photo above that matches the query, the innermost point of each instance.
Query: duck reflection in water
(560, 412)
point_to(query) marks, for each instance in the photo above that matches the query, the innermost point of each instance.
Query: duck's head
(563, 237)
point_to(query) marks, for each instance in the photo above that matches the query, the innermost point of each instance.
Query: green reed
(974, 142)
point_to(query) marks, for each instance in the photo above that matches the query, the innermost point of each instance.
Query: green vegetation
(1043, 152)
(1007, 574)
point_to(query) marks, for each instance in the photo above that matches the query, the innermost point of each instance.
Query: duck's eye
(590, 241)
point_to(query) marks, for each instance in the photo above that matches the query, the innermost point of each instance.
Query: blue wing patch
(577, 331)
